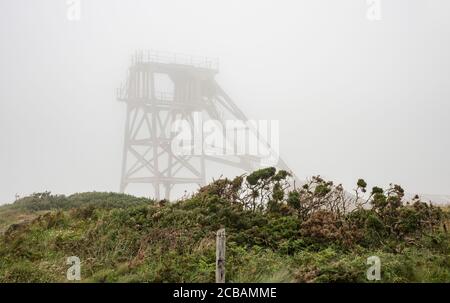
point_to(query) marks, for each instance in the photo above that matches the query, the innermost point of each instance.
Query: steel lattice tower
(160, 88)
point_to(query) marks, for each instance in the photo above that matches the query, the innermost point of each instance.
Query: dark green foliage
(362, 184)
(294, 200)
(312, 234)
(47, 201)
(262, 174)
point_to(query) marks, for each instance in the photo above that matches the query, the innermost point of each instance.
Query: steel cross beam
(158, 91)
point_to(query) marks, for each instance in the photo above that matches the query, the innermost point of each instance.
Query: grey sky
(355, 98)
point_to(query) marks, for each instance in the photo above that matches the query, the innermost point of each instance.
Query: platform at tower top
(152, 56)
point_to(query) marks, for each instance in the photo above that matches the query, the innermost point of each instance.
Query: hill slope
(120, 238)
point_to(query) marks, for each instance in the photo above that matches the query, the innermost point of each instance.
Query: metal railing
(122, 94)
(146, 56)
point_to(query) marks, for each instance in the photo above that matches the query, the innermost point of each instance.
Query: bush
(315, 233)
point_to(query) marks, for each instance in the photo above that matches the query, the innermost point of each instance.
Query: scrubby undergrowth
(316, 233)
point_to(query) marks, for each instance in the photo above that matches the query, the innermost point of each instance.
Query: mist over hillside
(435, 199)
(354, 97)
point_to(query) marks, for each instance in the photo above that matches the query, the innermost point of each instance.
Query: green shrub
(316, 233)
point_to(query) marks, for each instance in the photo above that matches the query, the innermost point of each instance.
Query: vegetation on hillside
(315, 233)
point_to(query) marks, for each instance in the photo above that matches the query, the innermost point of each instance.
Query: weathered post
(220, 256)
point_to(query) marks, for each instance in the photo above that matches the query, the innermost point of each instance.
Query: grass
(121, 238)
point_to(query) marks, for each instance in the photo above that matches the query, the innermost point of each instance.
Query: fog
(354, 97)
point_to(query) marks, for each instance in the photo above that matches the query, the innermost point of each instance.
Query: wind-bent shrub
(325, 211)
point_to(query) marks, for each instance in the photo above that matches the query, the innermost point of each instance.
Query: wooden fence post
(220, 256)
